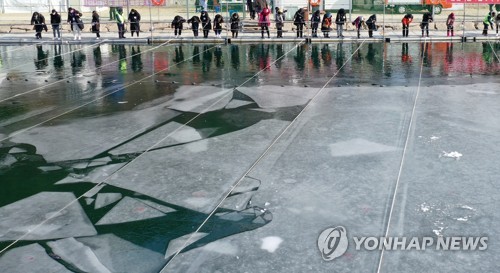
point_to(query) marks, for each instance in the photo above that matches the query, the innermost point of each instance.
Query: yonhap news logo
(333, 243)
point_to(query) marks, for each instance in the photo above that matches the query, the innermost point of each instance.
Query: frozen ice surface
(358, 147)
(78, 255)
(29, 259)
(199, 99)
(93, 135)
(128, 210)
(104, 199)
(271, 96)
(179, 243)
(119, 255)
(157, 206)
(23, 217)
(22, 117)
(221, 247)
(198, 180)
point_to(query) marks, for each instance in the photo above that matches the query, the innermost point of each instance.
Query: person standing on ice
(195, 24)
(488, 21)
(326, 25)
(55, 21)
(358, 23)
(264, 21)
(38, 21)
(218, 21)
(134, 18)
(449, 24)
(340, 21)
(235, 24)
(372, 25)
(497, 22)
(298, 21)
(279, 20)
(96, 24)
(74, 19)
(315, 20)
(120, 22)
(178, 24)
(426, 19)
(206, 23)
(407, 19)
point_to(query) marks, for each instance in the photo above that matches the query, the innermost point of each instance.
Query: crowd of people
(316, 23)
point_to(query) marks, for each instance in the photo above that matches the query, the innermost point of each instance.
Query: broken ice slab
(129, 210)
(268, 96)
(199, 99)
(237, 103)
(157, 206)
(6, 160)
(247, 184)
(169, 134)
(78, 255)
(198, 181)
(49, 168)
(182, 242)
(97, 175)
(123, 256)
(30, 258)
(17, 150)
(104, 199)
(23, 217)
(93, 135)
(358, 146)
(100, 161)
(238, 201)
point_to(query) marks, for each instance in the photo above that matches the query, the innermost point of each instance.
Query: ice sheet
(272, 96)
(23, 216)
(104, 199)
(30, 258)
(128, 210)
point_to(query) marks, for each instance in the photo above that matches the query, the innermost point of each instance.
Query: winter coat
(326, 24)
(178, 22)
(195, 22)
(206, 22)
(407, 19)
(218, 20)
(278, 18)
(38, 21)
(55, 19)
(264, 20)
(315, 19)
(96, 23)
(451, 19)
(372, 20)
(134, 18)
(341, 17)
(298, 18)
(427, 18)
(235, 22)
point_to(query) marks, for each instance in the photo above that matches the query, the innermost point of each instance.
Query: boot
(262, 34)
(452, 33)
(301, 34)
(448, 33)
(268, 36)
(404, 33)
(298, 34)
(370, 33)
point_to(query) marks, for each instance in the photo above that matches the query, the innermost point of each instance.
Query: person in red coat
(264, 20)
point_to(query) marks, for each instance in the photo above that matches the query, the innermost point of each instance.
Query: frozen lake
(234, 158)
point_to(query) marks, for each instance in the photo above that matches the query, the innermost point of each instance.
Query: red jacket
(406, 21)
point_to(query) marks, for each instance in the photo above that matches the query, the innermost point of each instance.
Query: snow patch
(271, 243)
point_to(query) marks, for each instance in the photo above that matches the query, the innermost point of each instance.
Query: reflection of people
(235, 57)
(235, 24)
(134, 18)
(298, 21)
(218, 57)
(340, 21)
(207, 59)
(38, 21)
(206, 23)
(300, 57)
(405, 56)
(97, 56)
(179, 55)
(195, 24)
(41, 58)
(339, 60)
(449, 24)
(449, 53)
(372, 24)
(196, 54)
(58, 60)
(315, 20)
(136, 59)
(426, 19)
(96, 24)
(315, 56)
(55, 21)
(77, 60)
(326, 25)
(264, 21)
(407, 19)
(326, 55)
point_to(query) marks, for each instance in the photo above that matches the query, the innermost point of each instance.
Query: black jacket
(55, 19)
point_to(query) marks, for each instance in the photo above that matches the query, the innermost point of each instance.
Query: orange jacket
(406, 21)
